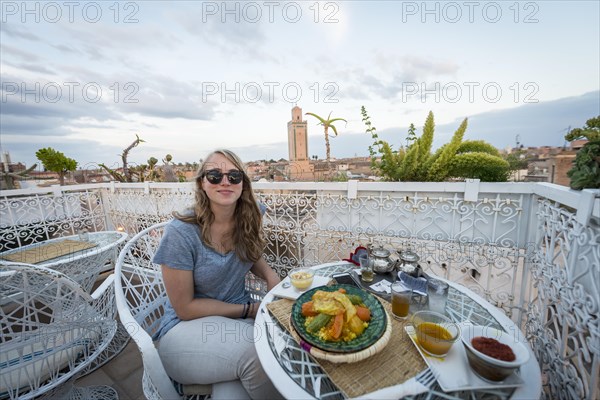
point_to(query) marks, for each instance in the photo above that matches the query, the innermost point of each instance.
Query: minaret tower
(297, 136)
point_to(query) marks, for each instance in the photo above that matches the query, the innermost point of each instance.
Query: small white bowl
(302, 278)
(490, 368)
(429, 338)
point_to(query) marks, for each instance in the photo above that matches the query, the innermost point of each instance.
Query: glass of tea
(401, 299)
(366, 268)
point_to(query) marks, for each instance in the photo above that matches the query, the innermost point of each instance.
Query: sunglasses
(215, 176)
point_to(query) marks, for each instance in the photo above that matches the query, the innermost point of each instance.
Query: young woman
(207, 332)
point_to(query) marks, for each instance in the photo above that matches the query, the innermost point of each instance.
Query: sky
(188, 76)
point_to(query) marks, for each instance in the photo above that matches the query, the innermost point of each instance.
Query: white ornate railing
(532, 249)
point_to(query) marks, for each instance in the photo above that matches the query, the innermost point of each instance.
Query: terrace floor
(123, 373)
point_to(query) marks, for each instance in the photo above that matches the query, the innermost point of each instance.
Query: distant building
(551, 164)
(299, 167)
(10, 173)
(297, 136)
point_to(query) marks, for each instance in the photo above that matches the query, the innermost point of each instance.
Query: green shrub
(586, 167)
(479, 146)
(478, 165)
(456, 159)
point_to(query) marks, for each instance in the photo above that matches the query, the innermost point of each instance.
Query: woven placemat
(47, 251)
(337, 358)
(398, 362)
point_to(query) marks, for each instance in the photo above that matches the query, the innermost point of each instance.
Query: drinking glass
(366, 268)
(437, 291)
(401, 299)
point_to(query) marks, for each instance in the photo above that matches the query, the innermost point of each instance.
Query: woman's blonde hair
(247, 236)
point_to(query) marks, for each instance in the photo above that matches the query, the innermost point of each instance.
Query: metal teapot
(382, 263)
(408, 263)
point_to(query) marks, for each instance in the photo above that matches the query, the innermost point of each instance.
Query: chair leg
(93, 393)
(117, 344)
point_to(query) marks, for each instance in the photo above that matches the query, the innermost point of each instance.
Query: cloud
(18, 32)
(46, 126)
(64, 100)
(80, 150)
(390, 75)
(32, 68)
(537, 124)
(168, 98)
(19, 53)
(70, 106)
(241, 38)
(115, 37)
(541, 124)
(65, 49)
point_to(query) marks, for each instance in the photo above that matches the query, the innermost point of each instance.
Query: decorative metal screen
(37, 217)
(530, 254)
(563, 324)
(475, 243)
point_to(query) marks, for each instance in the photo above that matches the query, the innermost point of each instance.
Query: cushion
(28, 361)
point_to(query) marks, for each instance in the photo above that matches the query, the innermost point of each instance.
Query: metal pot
(382, 263)
(409, 263)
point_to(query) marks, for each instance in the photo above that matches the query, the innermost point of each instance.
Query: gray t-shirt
(216, 276)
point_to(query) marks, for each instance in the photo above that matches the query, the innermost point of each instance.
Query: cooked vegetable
(318, 322)
(336, 316)
(356, 325)
(355, 299)
(362, 312)
(308, 309)
(336, 327)
(332, 303)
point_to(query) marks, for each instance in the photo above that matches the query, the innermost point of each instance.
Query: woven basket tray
(346, 357)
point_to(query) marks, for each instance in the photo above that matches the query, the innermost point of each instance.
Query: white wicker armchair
(51, 330)
(141, 296)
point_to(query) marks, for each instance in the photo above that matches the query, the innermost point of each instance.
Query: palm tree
(327, 123)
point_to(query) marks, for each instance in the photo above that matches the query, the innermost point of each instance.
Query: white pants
(218, 351)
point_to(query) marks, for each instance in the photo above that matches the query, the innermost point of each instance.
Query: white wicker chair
(51, 330)
(141, 296)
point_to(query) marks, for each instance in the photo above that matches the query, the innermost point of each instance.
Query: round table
(296, 375)
(82, 266)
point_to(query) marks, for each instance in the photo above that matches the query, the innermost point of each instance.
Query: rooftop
(531, 249)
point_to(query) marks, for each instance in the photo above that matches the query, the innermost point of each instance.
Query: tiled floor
(123, 373)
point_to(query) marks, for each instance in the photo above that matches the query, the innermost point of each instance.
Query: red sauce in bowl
(493, 348)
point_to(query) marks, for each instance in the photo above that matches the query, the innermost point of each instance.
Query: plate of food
(340, 319)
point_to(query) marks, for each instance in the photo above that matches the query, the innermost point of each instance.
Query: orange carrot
(363, 313)
(338, 324)
(308, 309)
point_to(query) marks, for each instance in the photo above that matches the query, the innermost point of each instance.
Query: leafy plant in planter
(473, 159)
(586, 166)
